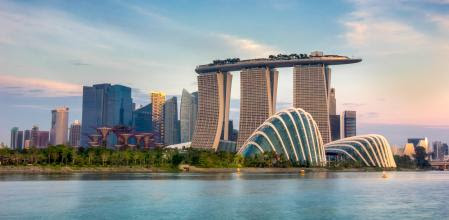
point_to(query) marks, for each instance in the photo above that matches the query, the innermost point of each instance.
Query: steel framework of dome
(370, 150)
(292, 133)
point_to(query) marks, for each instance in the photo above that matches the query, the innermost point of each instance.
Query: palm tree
(64, 153)
(104, 155)
(54, 153)
(126, 156)
(137, 155)
(73, 154)
(91, 155)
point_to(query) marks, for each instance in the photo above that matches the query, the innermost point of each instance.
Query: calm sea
(404, 195)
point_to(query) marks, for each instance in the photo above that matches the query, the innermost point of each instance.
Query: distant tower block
(213, 109)
(311, 93)
(258, 88)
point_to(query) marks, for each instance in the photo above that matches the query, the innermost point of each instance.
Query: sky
(49, 49)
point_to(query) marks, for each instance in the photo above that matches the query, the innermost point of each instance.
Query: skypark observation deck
(275, 63)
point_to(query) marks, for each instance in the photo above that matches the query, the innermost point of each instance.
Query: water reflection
(164, 176)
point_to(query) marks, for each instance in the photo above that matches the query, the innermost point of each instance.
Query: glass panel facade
(286, 126)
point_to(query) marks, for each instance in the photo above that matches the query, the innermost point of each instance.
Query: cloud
(246, 46)
(352, 104)
(36, 90)
(38, 87)
(36, 107)
(370, 27)
(443, 2)
(79, 63)
(442, 22)
(69, 47)
(370, 115)
(237, 44)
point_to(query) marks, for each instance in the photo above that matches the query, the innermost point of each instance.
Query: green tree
(73, 154)
(404, 162)
(64, 151)
(176, 159)
(104, 154)
(91, 155)
(420, 158)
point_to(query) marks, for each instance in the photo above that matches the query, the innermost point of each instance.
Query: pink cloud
(38, 87)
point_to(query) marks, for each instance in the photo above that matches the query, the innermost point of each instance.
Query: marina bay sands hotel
(258, 87)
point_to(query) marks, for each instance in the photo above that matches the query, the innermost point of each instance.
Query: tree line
(62, 155)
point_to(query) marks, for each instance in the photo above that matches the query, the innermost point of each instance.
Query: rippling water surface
(404, 195)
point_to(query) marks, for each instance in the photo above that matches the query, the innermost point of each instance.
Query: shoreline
(182, 169)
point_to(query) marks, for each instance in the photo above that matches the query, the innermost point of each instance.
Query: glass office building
(142, 119)
(105, 105)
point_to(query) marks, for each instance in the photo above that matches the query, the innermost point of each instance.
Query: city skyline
(409, 94)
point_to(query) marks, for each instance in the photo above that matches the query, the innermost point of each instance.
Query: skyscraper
(142, 119)
(157, 101)
(34, 139)
(75, 134)
(43, 137)
(171, 122)
(311, 92)
(27, 139)
(188, 112)
(348, 124)
(214, 89)
(14, 138)
(105, 105)
(440, 150)
(258, 88)
(334, 119)
(335, 127)
(332, 102)
(20, 140)
(59, 126)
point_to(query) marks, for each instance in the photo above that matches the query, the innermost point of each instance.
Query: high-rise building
(34, 139)
(20, 140)
(142, 119)
(27, 139)
(105, 105)
(214, 93)
(59, 126)
(14, 138)
(43, 137)
(440, 150)
(335, 127)
(157, 115)
(233, 133)
(311, 93)
(348, 124)
(332, 102)
(258, 88)
(75, 134)
(39, 139)
(171, 122)
(188, 112)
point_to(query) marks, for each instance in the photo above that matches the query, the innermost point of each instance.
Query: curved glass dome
(291, 132)
(369, 150)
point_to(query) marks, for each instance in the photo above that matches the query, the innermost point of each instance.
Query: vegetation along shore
(63, 159)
